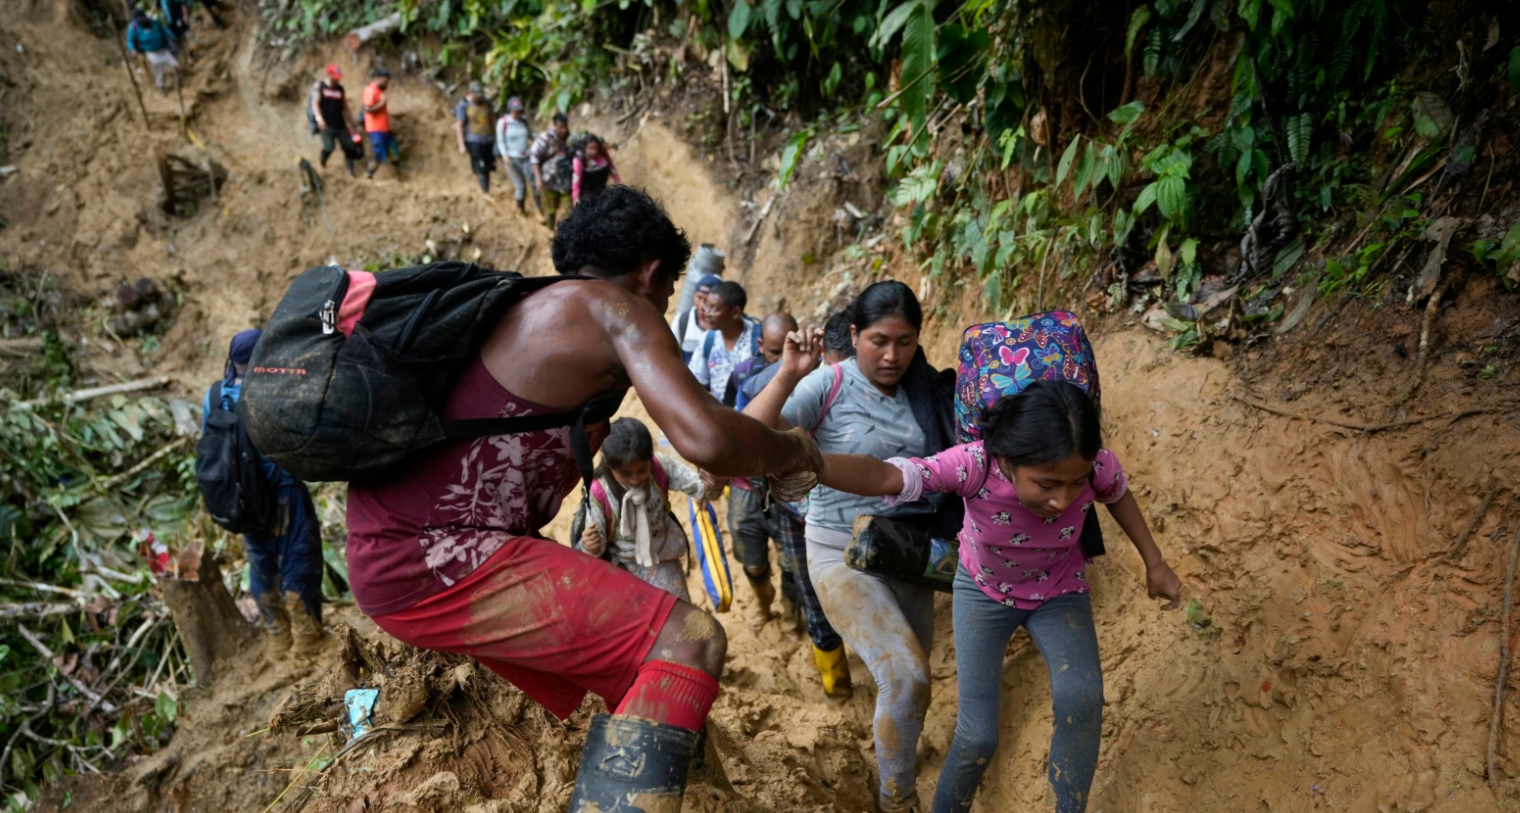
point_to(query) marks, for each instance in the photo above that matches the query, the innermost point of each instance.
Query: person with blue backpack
(151, 40)
(284, 546)
(731, 339)
(1029, 471)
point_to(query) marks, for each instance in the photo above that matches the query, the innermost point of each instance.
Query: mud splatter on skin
(698, 626)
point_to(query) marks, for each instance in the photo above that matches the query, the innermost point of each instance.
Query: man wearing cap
(329, 105)
(692, 325)
(477, 138)
(513, 138)
(377, 122)
(285, 564)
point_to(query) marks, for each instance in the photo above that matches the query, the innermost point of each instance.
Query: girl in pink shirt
(1028, 485)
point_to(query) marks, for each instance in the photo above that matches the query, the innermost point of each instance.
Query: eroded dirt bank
(1348, 663)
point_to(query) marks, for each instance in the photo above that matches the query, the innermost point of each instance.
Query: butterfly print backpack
(1002, 358)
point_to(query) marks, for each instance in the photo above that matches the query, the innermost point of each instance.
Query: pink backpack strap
(828, 402)
(599, 493)
(661, 478)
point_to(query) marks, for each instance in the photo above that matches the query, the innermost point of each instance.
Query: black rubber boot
(631, 765)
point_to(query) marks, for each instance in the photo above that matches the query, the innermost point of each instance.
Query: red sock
(670, 693)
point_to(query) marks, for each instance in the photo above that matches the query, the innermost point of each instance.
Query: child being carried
(630, 505)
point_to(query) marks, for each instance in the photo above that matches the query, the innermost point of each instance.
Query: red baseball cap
(334, 71)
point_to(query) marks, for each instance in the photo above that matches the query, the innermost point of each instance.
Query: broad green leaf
(791, 154)
(1514, 69)
(1171, 196)
(1194, 14)
(1147, 197)
(738, 19)
(1432, 116)
(1127, 113)
(1250, 11)
(1164, 257)
(918, 67)
(1300, 129)
(1187, 253)
(1066, 158)
(1084, 171)
(1282, 13)
(892, 23)
(962, 60)
(1287, 257)
(1509, 248)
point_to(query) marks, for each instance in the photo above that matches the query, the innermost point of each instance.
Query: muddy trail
(1347, 550)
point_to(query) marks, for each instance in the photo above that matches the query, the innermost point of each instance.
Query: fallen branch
(117, 479)
(44, 588)
(35, 609)
(95, 392)
(765, 212)
(1371, 427)
(1498, 715)
(1424, 355)
(1456, 549)
(47, 655)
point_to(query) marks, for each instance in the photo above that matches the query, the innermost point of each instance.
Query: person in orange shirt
(377, 122)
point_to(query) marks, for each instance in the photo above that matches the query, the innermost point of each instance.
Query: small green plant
(1196, 617)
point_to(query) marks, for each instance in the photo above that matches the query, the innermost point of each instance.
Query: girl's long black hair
(1046, 423)
(628, 440)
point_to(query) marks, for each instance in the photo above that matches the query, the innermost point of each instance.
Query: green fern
(1137, 21)
(1377, 12)
(1300, 129)
(1345, 44)
(1153, 45)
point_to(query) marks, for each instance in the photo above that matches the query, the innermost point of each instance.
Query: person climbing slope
(1027, 486)
(513, 138)
(886, 404)
(628, 518)
(155, 44)
(592, 169)
(476, 135)
(449, 555)
(284, 563)
(545, 158)
(790, 529)
(329, 106)
(377, 122)
(751, 524)
(731, 339)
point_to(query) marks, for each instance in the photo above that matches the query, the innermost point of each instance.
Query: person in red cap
(329, 106)
(513, 138)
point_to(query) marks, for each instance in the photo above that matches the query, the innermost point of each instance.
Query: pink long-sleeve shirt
(1016, 557)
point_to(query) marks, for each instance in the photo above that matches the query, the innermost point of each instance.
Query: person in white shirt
(690, 326)
(513, 138)
(733, 338)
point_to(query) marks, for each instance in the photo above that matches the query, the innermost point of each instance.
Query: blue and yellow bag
(708, 541)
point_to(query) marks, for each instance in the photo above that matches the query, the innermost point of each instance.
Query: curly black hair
(616, 230)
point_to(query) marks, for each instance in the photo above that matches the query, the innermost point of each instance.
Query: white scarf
(633, 522)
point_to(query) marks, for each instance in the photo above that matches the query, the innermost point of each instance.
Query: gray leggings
(891, 626)
(1063, 630)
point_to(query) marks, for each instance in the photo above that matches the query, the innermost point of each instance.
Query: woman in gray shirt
(889, 624)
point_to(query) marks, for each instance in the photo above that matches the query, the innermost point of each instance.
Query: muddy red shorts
(555, 622)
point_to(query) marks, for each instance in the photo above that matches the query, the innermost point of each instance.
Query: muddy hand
(799, 356)
(1161, 582)
(591, 540)
(713, 483)
(793, 485)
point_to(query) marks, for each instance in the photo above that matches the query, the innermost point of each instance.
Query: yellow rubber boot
(835, 670)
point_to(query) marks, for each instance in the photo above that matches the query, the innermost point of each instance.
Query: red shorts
(555, 622)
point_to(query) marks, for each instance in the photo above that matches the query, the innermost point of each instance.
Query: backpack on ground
(230, 473)
(1002, 358)
(354, 369)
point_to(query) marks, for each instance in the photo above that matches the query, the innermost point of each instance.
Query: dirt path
(1344, 666)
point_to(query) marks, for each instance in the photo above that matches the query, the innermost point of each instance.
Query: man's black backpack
(230, 473)
(354, 369)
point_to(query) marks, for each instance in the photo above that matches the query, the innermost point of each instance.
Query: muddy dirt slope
(1350, 647)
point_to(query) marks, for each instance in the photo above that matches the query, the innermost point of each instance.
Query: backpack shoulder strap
(707, 343)
(599, 493)
(828, 401)
(754, 342)
(661, 478)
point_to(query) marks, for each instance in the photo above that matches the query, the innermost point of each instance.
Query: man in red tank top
(450, 555)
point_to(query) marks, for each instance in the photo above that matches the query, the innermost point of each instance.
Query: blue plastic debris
(360, 703)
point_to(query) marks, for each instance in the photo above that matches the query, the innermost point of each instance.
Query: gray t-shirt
(860, 421)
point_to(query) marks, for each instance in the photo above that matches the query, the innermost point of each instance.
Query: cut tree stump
(209, 622)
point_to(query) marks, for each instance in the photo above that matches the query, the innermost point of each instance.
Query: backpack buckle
(329, 317)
